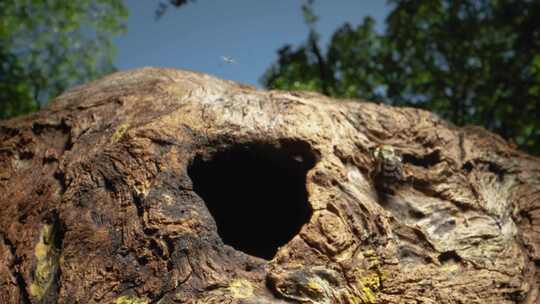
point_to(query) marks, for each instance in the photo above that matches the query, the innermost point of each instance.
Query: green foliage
(473, 62)
(47, 46)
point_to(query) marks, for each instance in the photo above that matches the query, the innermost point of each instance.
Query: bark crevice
(15, 270)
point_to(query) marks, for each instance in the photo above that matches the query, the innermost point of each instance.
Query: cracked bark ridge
(98, 204)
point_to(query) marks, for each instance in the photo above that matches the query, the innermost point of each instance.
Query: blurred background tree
(470, 61)
(48, 46)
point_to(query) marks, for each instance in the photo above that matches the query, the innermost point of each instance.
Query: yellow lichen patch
(315, 286)
(368, 285)
(44, 245)
(130, 300)
(371, 259)
(367, 296)
(241, 289)
(119, 132)
(46, 262)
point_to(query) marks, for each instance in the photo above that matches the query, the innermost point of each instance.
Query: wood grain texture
(97, 206)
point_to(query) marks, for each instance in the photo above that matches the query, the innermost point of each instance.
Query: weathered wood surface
(97, 204)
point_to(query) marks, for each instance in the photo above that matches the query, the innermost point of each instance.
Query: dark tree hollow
(256, 193)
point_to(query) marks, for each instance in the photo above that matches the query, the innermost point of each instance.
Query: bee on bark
(388, 172)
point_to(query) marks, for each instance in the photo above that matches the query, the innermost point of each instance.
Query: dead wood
(168, 186)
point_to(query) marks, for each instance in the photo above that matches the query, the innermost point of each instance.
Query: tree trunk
(167, 186)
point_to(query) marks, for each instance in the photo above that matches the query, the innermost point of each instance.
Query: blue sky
(197, 35)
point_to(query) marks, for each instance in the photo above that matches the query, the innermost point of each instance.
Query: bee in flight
(228, 60)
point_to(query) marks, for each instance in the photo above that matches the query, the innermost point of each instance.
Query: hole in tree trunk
(256, 193)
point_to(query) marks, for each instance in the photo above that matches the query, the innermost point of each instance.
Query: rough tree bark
(168, 186)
